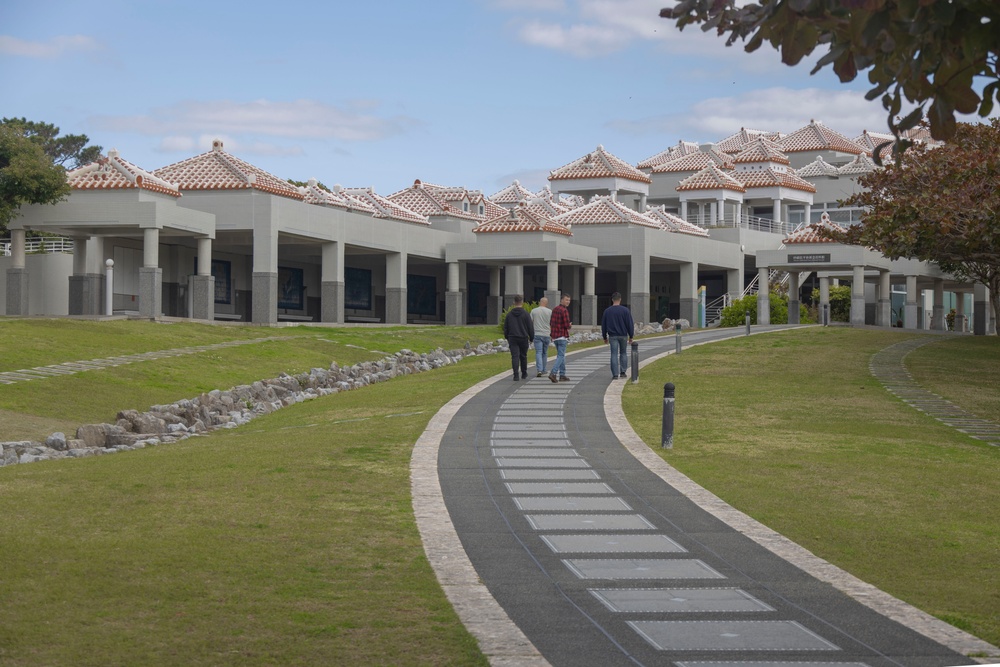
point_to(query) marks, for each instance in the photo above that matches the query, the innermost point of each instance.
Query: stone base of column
(453, 310)
(883, 316)
(688, 310)
(332, 302)
(939, 321)
(588, 309)
(265, 297)
(857, 311)
(202, 297)
(910, 316)
(638, 303)
(494, 306)
(150, 291)
(508, 301)
(793, 312)
(17, 292)
(395, 305)
(980, 318)
(80, 302)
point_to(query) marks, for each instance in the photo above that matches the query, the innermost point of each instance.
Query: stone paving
(561, 539)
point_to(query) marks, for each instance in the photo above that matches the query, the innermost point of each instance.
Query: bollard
(748, 324)
(667, 440)
(635, 362)
(826, 314)
(677, 338)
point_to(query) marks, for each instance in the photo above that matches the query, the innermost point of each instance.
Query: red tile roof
(673, 223)
(735, 143)
(598, 164)
(711, 178)
(861, 164)
(512, 194)
(818, 137)
(316, 195)
(818, 167)
(522, 218)
(427, 199)
(695, 162)
(680, 150)
(115, 173)
(761, 150)
(218, 170)
(384, 207)
(605, 211)
(813, 233)
(769, 178)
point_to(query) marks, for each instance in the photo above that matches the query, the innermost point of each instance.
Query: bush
(840, 303)
(528, 306)
(734, 315)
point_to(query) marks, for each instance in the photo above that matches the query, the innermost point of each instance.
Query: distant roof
(115, 173)
(818, 167)
(337, 198)
(695, 162)
(735, 143)
(673, 223)
(522, 218)
(815, 137)
(813, 233)
(711, 178)
(769, 178)
(384, 207)
(605, 211)
(861, 164)
(218, 170)
(512, 194)
(598, 164)
(761, 150)
(681, 149)
(428, 199)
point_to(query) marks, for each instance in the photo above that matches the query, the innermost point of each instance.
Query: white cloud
(53, 48)
(300, 119)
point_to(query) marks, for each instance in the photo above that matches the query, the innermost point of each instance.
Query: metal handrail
(34, 246)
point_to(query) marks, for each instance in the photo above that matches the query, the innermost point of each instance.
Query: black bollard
(635, 362)
(826, 314)
(667, 440)
(748, 324)
(677, 338)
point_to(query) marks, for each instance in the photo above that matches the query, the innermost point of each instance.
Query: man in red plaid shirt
(559, 327)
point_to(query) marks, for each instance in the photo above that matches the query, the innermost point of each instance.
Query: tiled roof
(769, 178)
(512, 194)
(818, 167)
(427, 199)
(114, 173)
(384, 207)
(673, 223)
(218, 170)
(861, 164)
(818, 137)
(605, 211)
(547, 207)
(598, 164)
(564, 202)
(711, 178)
(812, 233)
(522, 218)
(735, 143)
(695, 162)
(680, 150)
(316, 195)
(761, 150)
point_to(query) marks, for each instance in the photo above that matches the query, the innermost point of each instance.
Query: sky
(475, 93)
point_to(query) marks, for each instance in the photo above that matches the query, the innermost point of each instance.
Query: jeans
(619, 354)
(541, 352)
(519, 354)
(559, 368)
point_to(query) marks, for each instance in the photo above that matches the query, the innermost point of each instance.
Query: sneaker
(553, 378)
(563, 378)
(540, 374)
(622, 375)
(524, 376)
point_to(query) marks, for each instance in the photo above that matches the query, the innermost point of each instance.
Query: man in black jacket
(520, 333)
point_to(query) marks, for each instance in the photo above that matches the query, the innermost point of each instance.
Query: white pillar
(858, 297)
(684, 210)
(720, 213)
(551, 276)
(204, 257)
(910, 308)
(824, 300)
(763, 295)
(883, 312)
(940, 322)
(17, 251)
(793, 298)
(151, 247)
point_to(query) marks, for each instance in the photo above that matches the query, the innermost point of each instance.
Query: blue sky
(379, 93)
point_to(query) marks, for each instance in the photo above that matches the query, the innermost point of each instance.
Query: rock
(95, 435)
(56, 441)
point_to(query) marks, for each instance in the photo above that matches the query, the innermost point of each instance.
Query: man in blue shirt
(618, 329)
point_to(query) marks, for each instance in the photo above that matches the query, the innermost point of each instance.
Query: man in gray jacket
(540, 316)
(519, 332)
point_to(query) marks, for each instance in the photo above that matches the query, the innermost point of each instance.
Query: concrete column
(713, 214)
(793, 298)
(883, 315)
(808, 219)
(910, 320)
(203, 284)
(763, 295)
(493, 303)
(150, 275)
(734, 282)
(79, 282)
(824, 300)
(515, 283)
(940, 323)
(858, 297)
(331, 295)
(639, 288)
(684, 210)
(960, 323)
(776, 203)
(264, 278)
(552, 292)
(689, 293)
(17, 276)
(642, 203)
(588, 300)
(395, 288)
(720, 211)
(454, 313)
(980, 309)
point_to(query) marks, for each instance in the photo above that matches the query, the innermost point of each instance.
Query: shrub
(734, 315)
(528, 306)
(840, 302)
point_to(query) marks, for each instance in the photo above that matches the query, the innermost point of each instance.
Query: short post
(677, 338)
(667, 438)
(826, 314)
(635, 362)
(748, 323)
(109, 288)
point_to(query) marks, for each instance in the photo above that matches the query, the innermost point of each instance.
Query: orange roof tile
(711, 178)
(817, 137)
(735, 143)
(114, 173)
(605, 211)
(680, 150)
(761, 150)
(512, 194)
(427, 199)
(218, 170)
(818, 167)
(695, 162)
(384, 207)
(598, 164)
(813, 233)
(316, 195)
(673, 223)
(861, 164)
(769, 178)
(522, 218)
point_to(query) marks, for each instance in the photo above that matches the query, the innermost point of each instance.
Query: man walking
(617, 327)
(518, 331)
(559, 326)
(540, 316)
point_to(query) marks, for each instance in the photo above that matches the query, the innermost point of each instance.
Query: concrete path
(561, 539)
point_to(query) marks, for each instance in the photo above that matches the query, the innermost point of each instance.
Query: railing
(39, 246)
(745, 221)
(713, 309)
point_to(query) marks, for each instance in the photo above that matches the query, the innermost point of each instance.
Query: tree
(923, 50)
(69, 151)
(938, 205)
(27, 175)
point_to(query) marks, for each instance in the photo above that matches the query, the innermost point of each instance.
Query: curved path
(561, 539)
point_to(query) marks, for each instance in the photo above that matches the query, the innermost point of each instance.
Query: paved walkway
(561, 539)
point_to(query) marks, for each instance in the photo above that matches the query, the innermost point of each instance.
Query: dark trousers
(519, 354)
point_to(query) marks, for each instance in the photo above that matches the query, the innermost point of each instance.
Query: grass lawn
(792, 429)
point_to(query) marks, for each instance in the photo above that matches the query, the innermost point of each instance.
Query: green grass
(288, 541)
(792, 429)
